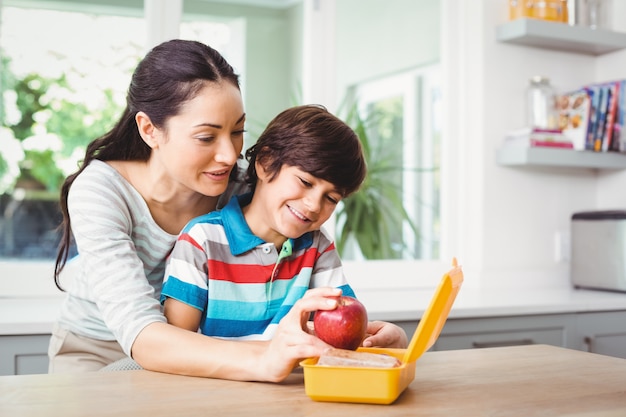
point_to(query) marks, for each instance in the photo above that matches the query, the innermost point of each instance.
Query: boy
(237, 272)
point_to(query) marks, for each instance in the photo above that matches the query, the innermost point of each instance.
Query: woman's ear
(147, 130)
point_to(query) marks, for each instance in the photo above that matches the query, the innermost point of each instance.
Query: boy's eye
(333, 200)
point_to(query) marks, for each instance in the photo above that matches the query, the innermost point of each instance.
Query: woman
(171, 157)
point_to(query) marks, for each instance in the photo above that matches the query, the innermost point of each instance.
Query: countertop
(528, 381)
(20, 315)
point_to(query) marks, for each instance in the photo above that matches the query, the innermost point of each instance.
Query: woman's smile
(220, 175)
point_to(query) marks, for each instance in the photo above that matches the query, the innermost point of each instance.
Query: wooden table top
(526, 381)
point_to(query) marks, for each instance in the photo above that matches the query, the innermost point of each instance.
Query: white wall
(507, 228)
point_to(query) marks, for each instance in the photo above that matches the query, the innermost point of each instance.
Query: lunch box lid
(436, 314)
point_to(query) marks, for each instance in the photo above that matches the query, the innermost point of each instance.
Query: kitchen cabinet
(597, 332)
(506, 331)
(603, 333)
(24, 354)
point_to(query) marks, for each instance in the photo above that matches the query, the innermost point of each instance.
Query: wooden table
(521, 381)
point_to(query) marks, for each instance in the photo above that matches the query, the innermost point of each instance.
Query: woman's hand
(293, 340)
(384, 334)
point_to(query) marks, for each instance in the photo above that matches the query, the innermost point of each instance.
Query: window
(60, 92)
(403, 131)
(273, 44)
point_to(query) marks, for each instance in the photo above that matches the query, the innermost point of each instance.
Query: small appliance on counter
(598, 258)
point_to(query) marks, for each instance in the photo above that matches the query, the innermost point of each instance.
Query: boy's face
(293, 203)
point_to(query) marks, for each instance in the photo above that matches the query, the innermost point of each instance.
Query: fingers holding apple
(343, 327)
(384, 334)
(314, 299)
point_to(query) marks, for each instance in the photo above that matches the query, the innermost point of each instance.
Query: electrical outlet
(562, 246)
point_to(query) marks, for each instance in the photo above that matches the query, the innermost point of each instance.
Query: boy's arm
(182, 315)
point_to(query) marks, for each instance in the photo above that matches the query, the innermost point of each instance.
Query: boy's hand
(384, 334)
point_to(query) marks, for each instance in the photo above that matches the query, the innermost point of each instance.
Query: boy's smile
(293, 203)
(298, 214)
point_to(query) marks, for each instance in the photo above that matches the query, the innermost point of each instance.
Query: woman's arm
(118, 246)
(165, 348)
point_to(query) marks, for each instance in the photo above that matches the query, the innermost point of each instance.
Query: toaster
(598, 257)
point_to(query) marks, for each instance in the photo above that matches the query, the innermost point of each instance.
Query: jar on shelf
(553, 10)
(541, 104)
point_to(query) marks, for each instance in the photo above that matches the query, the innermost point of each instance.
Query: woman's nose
(226, 152)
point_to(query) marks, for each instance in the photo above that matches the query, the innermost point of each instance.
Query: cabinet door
(553, 330)
(603, 333)
(20, 355)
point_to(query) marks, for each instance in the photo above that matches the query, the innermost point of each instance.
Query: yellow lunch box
(384, 385)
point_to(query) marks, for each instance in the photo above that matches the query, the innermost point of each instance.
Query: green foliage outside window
(51, 127)
(373, 217)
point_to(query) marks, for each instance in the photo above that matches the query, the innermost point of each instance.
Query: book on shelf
(594, 96)
(574, 109)
(609, 126)
(605, 125)
(592, 118)
(601, 112)
(618, 139)
(535, 137)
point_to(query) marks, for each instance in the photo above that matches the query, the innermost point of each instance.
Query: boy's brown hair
(311, 138)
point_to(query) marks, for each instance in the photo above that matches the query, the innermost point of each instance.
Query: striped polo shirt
(242, 284)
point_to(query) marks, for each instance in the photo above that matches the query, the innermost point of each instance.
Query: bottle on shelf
(541, 104)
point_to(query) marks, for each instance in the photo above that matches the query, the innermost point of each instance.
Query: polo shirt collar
(240, 237)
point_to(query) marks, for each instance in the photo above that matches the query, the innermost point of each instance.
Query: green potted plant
(373, 217)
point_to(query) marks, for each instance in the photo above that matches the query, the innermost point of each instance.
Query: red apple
(343, 327)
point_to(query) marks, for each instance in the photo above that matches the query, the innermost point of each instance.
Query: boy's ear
(261, 173)
(147, 130)
(260, 167)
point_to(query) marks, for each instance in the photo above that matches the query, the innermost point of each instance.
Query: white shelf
(560, 36)
(555, 157)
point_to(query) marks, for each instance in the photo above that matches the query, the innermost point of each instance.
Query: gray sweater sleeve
(122, 255)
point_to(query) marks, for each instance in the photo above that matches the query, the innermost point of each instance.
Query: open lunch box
(384, 385)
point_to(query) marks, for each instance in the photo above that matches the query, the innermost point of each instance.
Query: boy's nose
(313, 202)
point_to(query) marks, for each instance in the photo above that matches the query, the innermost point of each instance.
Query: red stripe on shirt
(187, 238)
(259, 274)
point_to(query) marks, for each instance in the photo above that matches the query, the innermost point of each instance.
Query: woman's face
(200, 145)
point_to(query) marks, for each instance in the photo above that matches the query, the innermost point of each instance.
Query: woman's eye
(239, 132)
(305, 183)
(206, 138)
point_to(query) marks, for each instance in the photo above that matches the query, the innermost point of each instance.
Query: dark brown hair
(171, 74)
(311, 138)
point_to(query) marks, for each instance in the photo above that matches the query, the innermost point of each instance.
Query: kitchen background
(508, 226)
(445, 89)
